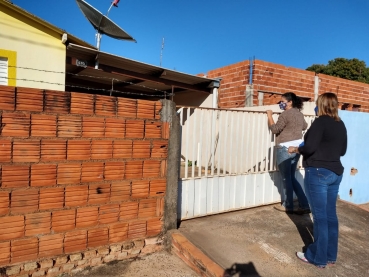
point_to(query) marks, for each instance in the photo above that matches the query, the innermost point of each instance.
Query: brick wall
(235, 78)
(78, 172)
(274, 79)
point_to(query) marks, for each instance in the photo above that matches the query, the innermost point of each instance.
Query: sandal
(301, 256)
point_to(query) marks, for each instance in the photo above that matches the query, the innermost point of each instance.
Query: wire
(96, 89)
(87, 76)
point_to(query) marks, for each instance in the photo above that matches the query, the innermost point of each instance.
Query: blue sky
(201, 35)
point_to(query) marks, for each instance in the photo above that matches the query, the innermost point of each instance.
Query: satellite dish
(102, 24)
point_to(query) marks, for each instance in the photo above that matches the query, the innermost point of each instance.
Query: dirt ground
(159, 264)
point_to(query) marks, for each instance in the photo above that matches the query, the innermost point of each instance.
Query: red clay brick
(120, 191)
(165, 130)
(76, 195)
(11, 227)
(24, 250)
(145, 109)
(64, 220)
(154, 226)
(7, 96)
(82, 103)
(141, 149)
(98, 237)
(115, 128)
(140, 189)
(159, 149)
(92, 172)
(87, 217)
(5, 151)
(30, 99)
(24, 201)
(43, 175)
(75, 241)
(137, 229)
(53, 150)
(43, 125)
(57, 102)
(158, 107)
(69, 173)
(163, 168)
(134, 170)
(108, 214)
(101, 149)
(69, 126)
(127, 108)
(15, 176)
(79, 150)
(51, 198)
(114, 170)
(105, 105)
(135, 128)
(128, 210)
(26, 151)
(153, 129)
(98, 193)
(15, 125)
(122, 149)
(51, 245)
(4, 202)
(157, 187)
(151, 168)
(160, 207)
(118, 232)
(93, 127)
(147, 208)
(5, 249)
(38, 224)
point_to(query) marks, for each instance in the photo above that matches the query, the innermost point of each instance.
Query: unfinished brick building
(258, 83)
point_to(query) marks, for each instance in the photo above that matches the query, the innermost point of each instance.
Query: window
(3, 71)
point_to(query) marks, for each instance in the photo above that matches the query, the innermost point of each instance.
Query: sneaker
(302, 258)
(283, 209)
(300, 211)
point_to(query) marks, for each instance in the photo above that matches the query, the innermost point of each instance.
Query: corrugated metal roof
(138, 74)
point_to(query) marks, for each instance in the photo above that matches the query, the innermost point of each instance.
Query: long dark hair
(296, 101)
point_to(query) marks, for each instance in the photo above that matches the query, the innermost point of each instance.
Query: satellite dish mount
(102, 24)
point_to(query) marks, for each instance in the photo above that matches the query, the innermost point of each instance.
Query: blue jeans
(321, 187)
(287, 164)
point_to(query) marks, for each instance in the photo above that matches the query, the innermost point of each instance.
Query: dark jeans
(321, 187)
(287, 164)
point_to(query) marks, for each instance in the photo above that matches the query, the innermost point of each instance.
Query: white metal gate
(228, 161)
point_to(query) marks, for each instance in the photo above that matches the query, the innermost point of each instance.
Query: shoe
(302, 258)
(300, 211)
(283, 209)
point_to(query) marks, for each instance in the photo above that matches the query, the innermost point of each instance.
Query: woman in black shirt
(324, 143)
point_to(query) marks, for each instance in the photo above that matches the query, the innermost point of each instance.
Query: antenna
(102, 24)
(161, 51)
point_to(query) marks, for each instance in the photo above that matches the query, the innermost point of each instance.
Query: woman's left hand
(292, 149)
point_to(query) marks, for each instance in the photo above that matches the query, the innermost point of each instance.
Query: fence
(228, 161)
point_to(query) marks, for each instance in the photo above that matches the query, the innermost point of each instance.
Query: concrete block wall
(275, 79)
(235, 78)
(78, 172)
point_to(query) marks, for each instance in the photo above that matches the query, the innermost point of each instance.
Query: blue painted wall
(357, 156)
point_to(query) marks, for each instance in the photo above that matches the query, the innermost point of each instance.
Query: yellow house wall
(31, 45)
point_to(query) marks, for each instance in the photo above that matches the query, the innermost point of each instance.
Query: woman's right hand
(269, 112)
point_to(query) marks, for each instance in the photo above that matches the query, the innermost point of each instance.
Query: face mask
(316, 110)
(282, 105)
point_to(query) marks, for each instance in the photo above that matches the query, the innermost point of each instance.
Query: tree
(351, 69)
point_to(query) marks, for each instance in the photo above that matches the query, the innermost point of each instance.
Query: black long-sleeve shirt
(324, 144)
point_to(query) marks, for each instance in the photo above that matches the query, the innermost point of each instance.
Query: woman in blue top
(324, 144)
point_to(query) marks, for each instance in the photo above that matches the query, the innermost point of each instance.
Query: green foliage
(351, 69)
